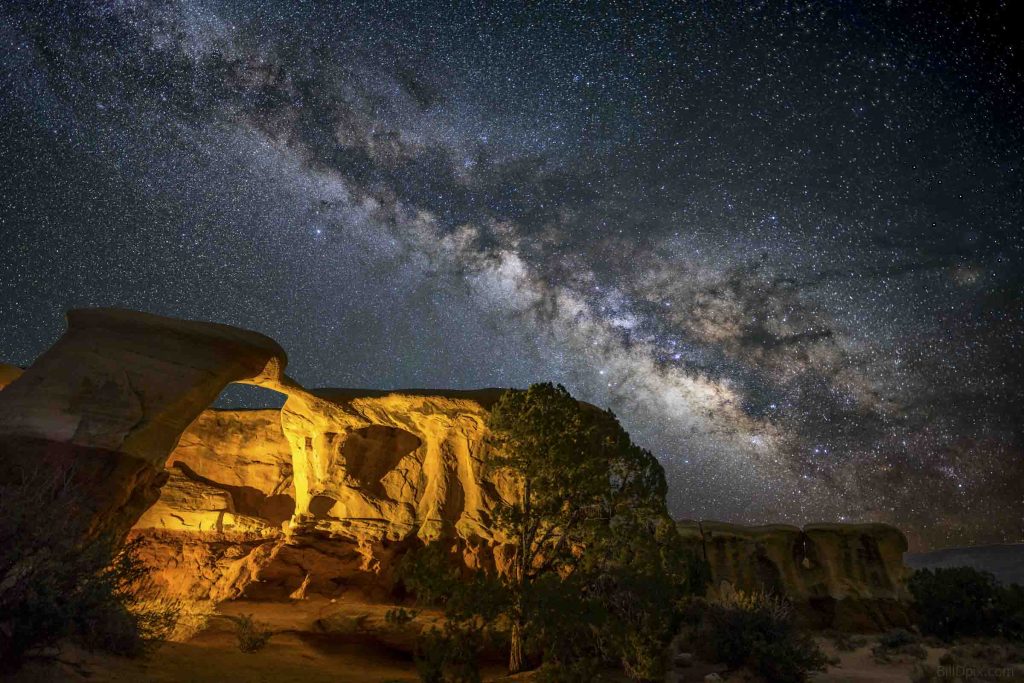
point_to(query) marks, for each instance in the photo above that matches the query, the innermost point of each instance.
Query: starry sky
(783, 241)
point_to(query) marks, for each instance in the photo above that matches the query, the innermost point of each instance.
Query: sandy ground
(309, 658)
(300, 650)
(860, 666)
(214, 657)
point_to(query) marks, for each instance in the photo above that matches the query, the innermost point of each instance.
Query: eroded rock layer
(326, 494)
(367, 474)
(846, 575)
(376, 473)
(107, 403)
(391, 465)
(231, 470)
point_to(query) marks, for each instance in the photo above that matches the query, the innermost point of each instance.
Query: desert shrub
(1009, 611)
(924, 673)
(58, 581)
(962, 601)
(845, 642)
(252, 635)
(193, 617)
(898, 643)
(627, 609)
(472, 607)
(991, 652)
(190, 616)
(897, 637)
(450, 654)
(757, 631)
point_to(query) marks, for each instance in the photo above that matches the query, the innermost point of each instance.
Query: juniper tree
(588, 500)
(596, 564)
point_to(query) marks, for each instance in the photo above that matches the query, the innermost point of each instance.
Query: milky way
(783, 241)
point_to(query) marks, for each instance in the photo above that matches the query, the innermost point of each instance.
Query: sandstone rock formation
(370, 473)
(375, 472)
(390, 465)
(327, 493)
(841, 575)
(231, 470)
(8, 373)
(112, 396)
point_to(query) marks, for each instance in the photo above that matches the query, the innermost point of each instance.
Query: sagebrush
(252, 635)
(757, 631)
(58, 580)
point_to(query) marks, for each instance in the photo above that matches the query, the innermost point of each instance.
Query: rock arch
(109, 401)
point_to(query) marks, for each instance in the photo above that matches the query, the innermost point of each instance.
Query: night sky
(784, 242)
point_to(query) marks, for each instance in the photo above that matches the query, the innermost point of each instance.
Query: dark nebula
(783, 241)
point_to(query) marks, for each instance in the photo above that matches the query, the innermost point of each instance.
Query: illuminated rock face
(8, 373)
(375, 471)
(381, 465)
(111, 398)
(369, 473)
(231, 470)
(329, 492)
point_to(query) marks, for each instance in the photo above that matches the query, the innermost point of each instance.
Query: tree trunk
(515, 655)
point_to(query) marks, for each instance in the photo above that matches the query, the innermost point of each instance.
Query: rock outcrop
(377, 472)
(110, 399)
(326, 494)
(390, 465)
(231, 470)
(849, 576)
(9, 373)
(370, 473)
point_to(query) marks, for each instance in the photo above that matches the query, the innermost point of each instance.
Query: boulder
(191, 505)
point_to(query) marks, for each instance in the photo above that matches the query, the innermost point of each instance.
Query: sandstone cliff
(381, 470)
(362, 474)
(231, 470)
(109, 400)
(327, 493)
(391, 465)
(846, 575)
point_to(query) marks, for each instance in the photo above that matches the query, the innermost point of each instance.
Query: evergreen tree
(596, 567)
(586, 494)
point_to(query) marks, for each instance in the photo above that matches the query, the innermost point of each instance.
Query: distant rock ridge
(839, 575)
(329, 491)
(1005, 561)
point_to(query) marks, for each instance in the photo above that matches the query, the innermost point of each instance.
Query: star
(786, 238)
